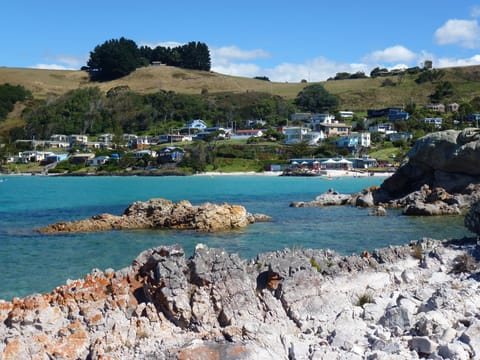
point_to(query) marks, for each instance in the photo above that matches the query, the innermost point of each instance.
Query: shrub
(464, 263)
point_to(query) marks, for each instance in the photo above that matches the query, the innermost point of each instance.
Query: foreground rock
(164, 214)
(408, 302)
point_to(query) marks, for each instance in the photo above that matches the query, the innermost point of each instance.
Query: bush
(464, 263)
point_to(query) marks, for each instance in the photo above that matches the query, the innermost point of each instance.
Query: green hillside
(354, 94)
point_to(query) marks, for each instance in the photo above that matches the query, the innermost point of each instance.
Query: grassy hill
(356, 95)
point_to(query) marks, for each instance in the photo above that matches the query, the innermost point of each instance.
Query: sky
(286, 41)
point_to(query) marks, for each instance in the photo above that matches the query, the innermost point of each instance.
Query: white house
(354, 140)
(436, 121)
(384, 128)
(97, 161)
(76, 139)
(295, 134)
(141, 153)
(197, 124)
(346, 114)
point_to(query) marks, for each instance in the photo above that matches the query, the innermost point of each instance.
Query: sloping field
(357, 94)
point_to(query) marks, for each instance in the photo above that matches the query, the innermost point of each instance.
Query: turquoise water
(31, 262)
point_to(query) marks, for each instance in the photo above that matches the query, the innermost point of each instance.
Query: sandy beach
(325, 173)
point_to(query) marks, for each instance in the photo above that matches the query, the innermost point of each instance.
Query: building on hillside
(383, 128)
(77, 140)
(435, 121)
(355, 140)
(304, 117)
(346, 114)
(453, 107)
(170, 154)
(196, 124)
(334, 129)
(435, 107)
(242, 134)
(97, 161)
(141, 153)
(403, 136)
(81, 159)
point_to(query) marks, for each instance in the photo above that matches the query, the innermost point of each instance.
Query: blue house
(170, 154)
(397, 114)
(392, 113)
(196, 124)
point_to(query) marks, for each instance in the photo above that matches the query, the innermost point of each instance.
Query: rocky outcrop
(472, 219)
(415, 301)
(328, 198)
(441, 177)
(164, 214)
(447, 159)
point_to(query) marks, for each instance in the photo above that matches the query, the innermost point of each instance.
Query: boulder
(447, 159)
(164, 214)
(472, 219)
(328, 198)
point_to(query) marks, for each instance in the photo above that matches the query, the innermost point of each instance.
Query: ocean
(37, 263)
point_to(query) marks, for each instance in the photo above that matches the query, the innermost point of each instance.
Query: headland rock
(440, 177)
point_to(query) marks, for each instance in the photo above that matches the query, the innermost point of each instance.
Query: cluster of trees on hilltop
(119, 57)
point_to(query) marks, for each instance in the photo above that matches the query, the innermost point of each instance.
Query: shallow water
(31, 262)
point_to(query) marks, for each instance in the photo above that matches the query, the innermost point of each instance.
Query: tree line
(119, 57)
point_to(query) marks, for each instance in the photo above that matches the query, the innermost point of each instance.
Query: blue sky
(283, 40)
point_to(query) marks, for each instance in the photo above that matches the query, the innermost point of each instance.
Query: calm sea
(30, 262)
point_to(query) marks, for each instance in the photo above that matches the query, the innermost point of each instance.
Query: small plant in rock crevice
(315, 264)
(365, 298)
(417, 252)
(464, 263)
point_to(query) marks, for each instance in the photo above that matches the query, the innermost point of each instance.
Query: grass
(355, 94)
(315, 264)
(365, 298)
(385, 154)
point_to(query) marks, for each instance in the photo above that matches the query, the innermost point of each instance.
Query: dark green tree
(114, 59)
(195, 55)
(9, 95)
(376, 72)
(317, 99)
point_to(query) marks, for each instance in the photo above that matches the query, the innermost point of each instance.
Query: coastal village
(315, 129)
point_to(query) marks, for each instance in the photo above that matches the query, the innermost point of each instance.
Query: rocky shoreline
(407, 302)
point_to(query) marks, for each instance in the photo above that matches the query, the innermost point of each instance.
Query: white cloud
(393, 54)
(318, 69)
(475, 11)
(166, 44)
(466, 33)
(236, 69)
(234, 52)
(63, 62)
(53, 67)
(450, 62)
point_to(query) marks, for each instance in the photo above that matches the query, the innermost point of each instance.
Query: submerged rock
(164, 214)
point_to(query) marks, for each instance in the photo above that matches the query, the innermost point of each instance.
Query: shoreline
(327, 174)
